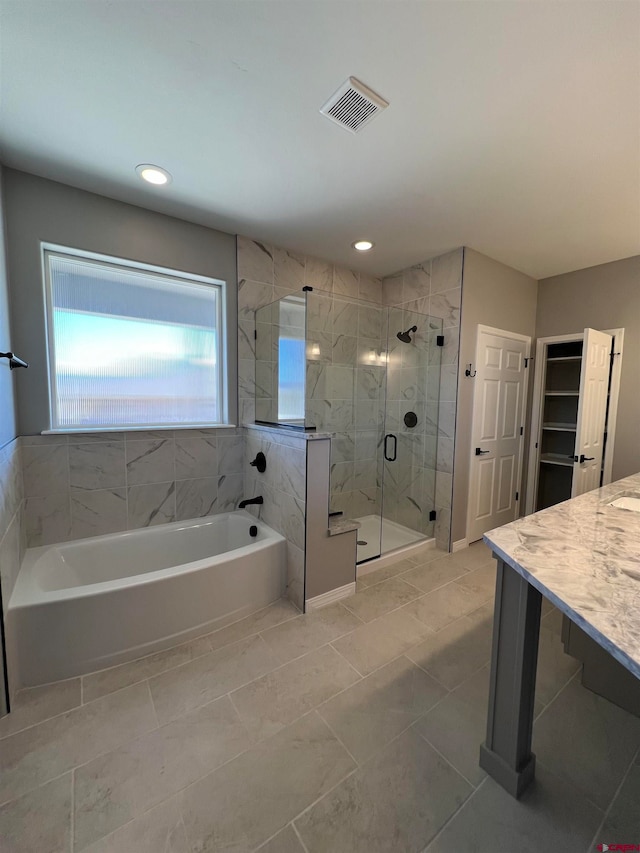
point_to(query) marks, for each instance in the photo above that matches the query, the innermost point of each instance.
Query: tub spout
(249, 501)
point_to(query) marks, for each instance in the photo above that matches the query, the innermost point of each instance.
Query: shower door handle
(386, 447)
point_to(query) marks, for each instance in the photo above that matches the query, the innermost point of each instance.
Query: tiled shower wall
(95, 483)
(435, 287)
(12, 528)
(266, 273)
(283, 486)
(413, 385)
(346, 342)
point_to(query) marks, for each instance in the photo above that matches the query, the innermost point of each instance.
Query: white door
(496, 436)
(592, 411)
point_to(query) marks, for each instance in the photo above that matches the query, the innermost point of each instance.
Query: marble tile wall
(12, 529)
(413, 382)
(434, 287)
(95, 483)
(346, 344)
(266, 273)
(283, 486)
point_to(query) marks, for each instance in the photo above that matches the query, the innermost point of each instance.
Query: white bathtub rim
(27, 593)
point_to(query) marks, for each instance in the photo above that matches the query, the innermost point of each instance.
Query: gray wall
(11, 497)
(8, 430)
(492, 295)
(603, 297)
(41, 210)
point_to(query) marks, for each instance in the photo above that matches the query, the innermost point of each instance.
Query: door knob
(584, 458)
(481, 452)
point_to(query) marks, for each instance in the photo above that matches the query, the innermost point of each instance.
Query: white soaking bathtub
(92, 603)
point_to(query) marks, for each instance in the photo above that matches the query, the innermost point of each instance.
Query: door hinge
(255, 334)
(517, 495)
(439, 340)
(521, 430)
(432, 515)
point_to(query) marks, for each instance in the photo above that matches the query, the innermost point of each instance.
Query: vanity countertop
(584, 556)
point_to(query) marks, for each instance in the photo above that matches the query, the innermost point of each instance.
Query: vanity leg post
(506, 755)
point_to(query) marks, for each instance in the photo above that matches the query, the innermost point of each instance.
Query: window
(132, 346)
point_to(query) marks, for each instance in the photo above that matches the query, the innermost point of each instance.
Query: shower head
(405, 337)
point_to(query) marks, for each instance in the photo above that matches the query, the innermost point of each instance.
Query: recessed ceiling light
(153, 174)
(362, 245)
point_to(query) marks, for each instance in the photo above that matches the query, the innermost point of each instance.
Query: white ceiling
(514, 127)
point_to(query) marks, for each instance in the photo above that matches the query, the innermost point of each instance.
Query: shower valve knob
(260, 462)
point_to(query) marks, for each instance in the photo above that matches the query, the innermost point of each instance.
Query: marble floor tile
(476, 555)
(285, 841)
(551, 815)
(33, 756)
(245, 802)
(587, 741)
(109, 680)
(274, 701)
(555, 668)
(40, 821)
(275, 614)
(396, 802)
(454, 653)
(552, 620)
(200, 681)
(380, 599)
(458, 725)
(442, 606)
(427, 555)
(381, 706)
(159, 830)
(430, 576)
(117, 787)
(36, 704)
(623, 820)
(382, 640)
(304, 633)
(384, 574)
(481, 580)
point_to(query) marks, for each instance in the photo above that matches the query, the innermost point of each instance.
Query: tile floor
(354, 729)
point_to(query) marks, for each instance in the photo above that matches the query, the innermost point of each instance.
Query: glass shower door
(409, 445)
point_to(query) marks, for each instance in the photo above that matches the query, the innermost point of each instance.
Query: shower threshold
(395, 537)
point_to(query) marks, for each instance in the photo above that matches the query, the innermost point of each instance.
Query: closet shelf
(557, 459)
(558, 427)
(565, 358)
(561, 393)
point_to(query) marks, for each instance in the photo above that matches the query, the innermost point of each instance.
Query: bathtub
(92, 603)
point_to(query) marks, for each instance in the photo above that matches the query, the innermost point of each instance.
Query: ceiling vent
(353, 105)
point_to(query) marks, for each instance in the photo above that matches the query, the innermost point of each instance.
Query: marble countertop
(338, 525)
(584, 556)
(289, 431)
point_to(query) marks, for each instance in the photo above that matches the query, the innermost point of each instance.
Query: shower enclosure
(369, 376)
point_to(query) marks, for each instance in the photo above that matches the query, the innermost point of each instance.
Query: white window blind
(131, 346)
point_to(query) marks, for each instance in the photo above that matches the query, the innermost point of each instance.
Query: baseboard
(331, 596)
(459, 545)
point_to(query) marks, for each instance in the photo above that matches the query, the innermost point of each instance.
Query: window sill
(149, 428)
